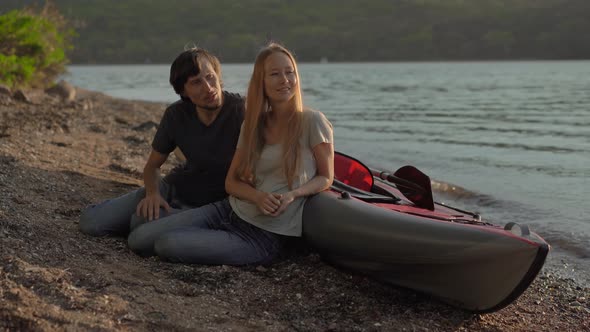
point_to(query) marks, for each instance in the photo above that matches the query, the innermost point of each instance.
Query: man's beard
(209, 107)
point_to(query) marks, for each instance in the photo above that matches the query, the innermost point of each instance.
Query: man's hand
(149, 207)
(268, 203)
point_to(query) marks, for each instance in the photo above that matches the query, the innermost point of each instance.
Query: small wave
(484, 88)
(313, 92)
(451, 190)
(542, 148)
(559, 170)
(434, 137)
(457, 193)
(472, 198)
(573, 123)
(404, 88)
(529, 132)
(384, 129)
(574, 246)
(421, 113)
(395, 88)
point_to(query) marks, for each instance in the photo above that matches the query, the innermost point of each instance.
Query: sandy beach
(57, 157)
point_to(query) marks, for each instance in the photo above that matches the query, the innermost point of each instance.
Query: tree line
(136, 31)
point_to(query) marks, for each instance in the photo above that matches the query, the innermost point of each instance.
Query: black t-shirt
(208, 149)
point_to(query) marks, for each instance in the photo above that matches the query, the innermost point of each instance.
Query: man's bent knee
(136, 221)
(89, 222)
(166, 247)
(138, 241)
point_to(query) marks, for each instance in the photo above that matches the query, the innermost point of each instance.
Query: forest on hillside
(137, 31)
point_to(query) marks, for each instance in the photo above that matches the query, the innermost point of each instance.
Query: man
(205, 126)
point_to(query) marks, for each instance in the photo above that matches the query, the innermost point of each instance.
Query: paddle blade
(422, 198)
(352, 172)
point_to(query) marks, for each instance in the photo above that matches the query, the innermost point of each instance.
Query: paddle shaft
(383, 175)
(396, 180)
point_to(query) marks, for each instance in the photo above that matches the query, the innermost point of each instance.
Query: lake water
(515, 136)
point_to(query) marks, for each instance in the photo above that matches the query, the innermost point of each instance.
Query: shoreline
(57, 157)
(567, 263)
(346, 62)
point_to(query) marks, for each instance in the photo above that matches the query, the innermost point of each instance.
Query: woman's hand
(285, 201)
(268, 203)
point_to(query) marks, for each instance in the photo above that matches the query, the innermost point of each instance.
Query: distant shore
(58, 156)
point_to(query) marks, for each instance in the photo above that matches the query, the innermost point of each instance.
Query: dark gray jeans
(117, 216)
(211, 234)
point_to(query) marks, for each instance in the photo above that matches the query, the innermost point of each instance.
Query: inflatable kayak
(395, 233)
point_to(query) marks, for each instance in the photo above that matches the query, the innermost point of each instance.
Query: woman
(284, 154)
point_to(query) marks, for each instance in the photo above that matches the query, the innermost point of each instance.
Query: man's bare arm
(149, 207)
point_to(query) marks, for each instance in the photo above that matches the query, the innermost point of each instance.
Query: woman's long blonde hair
(257, 108)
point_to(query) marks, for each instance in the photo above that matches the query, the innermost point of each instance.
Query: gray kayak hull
(477, 267)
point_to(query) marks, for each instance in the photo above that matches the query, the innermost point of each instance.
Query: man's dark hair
(186, 65)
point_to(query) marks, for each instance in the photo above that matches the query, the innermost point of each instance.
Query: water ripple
(500, 145)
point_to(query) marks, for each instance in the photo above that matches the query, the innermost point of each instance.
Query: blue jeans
(117, 216)
(211, 234)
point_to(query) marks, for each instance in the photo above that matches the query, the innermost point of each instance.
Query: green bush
(32, 46)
